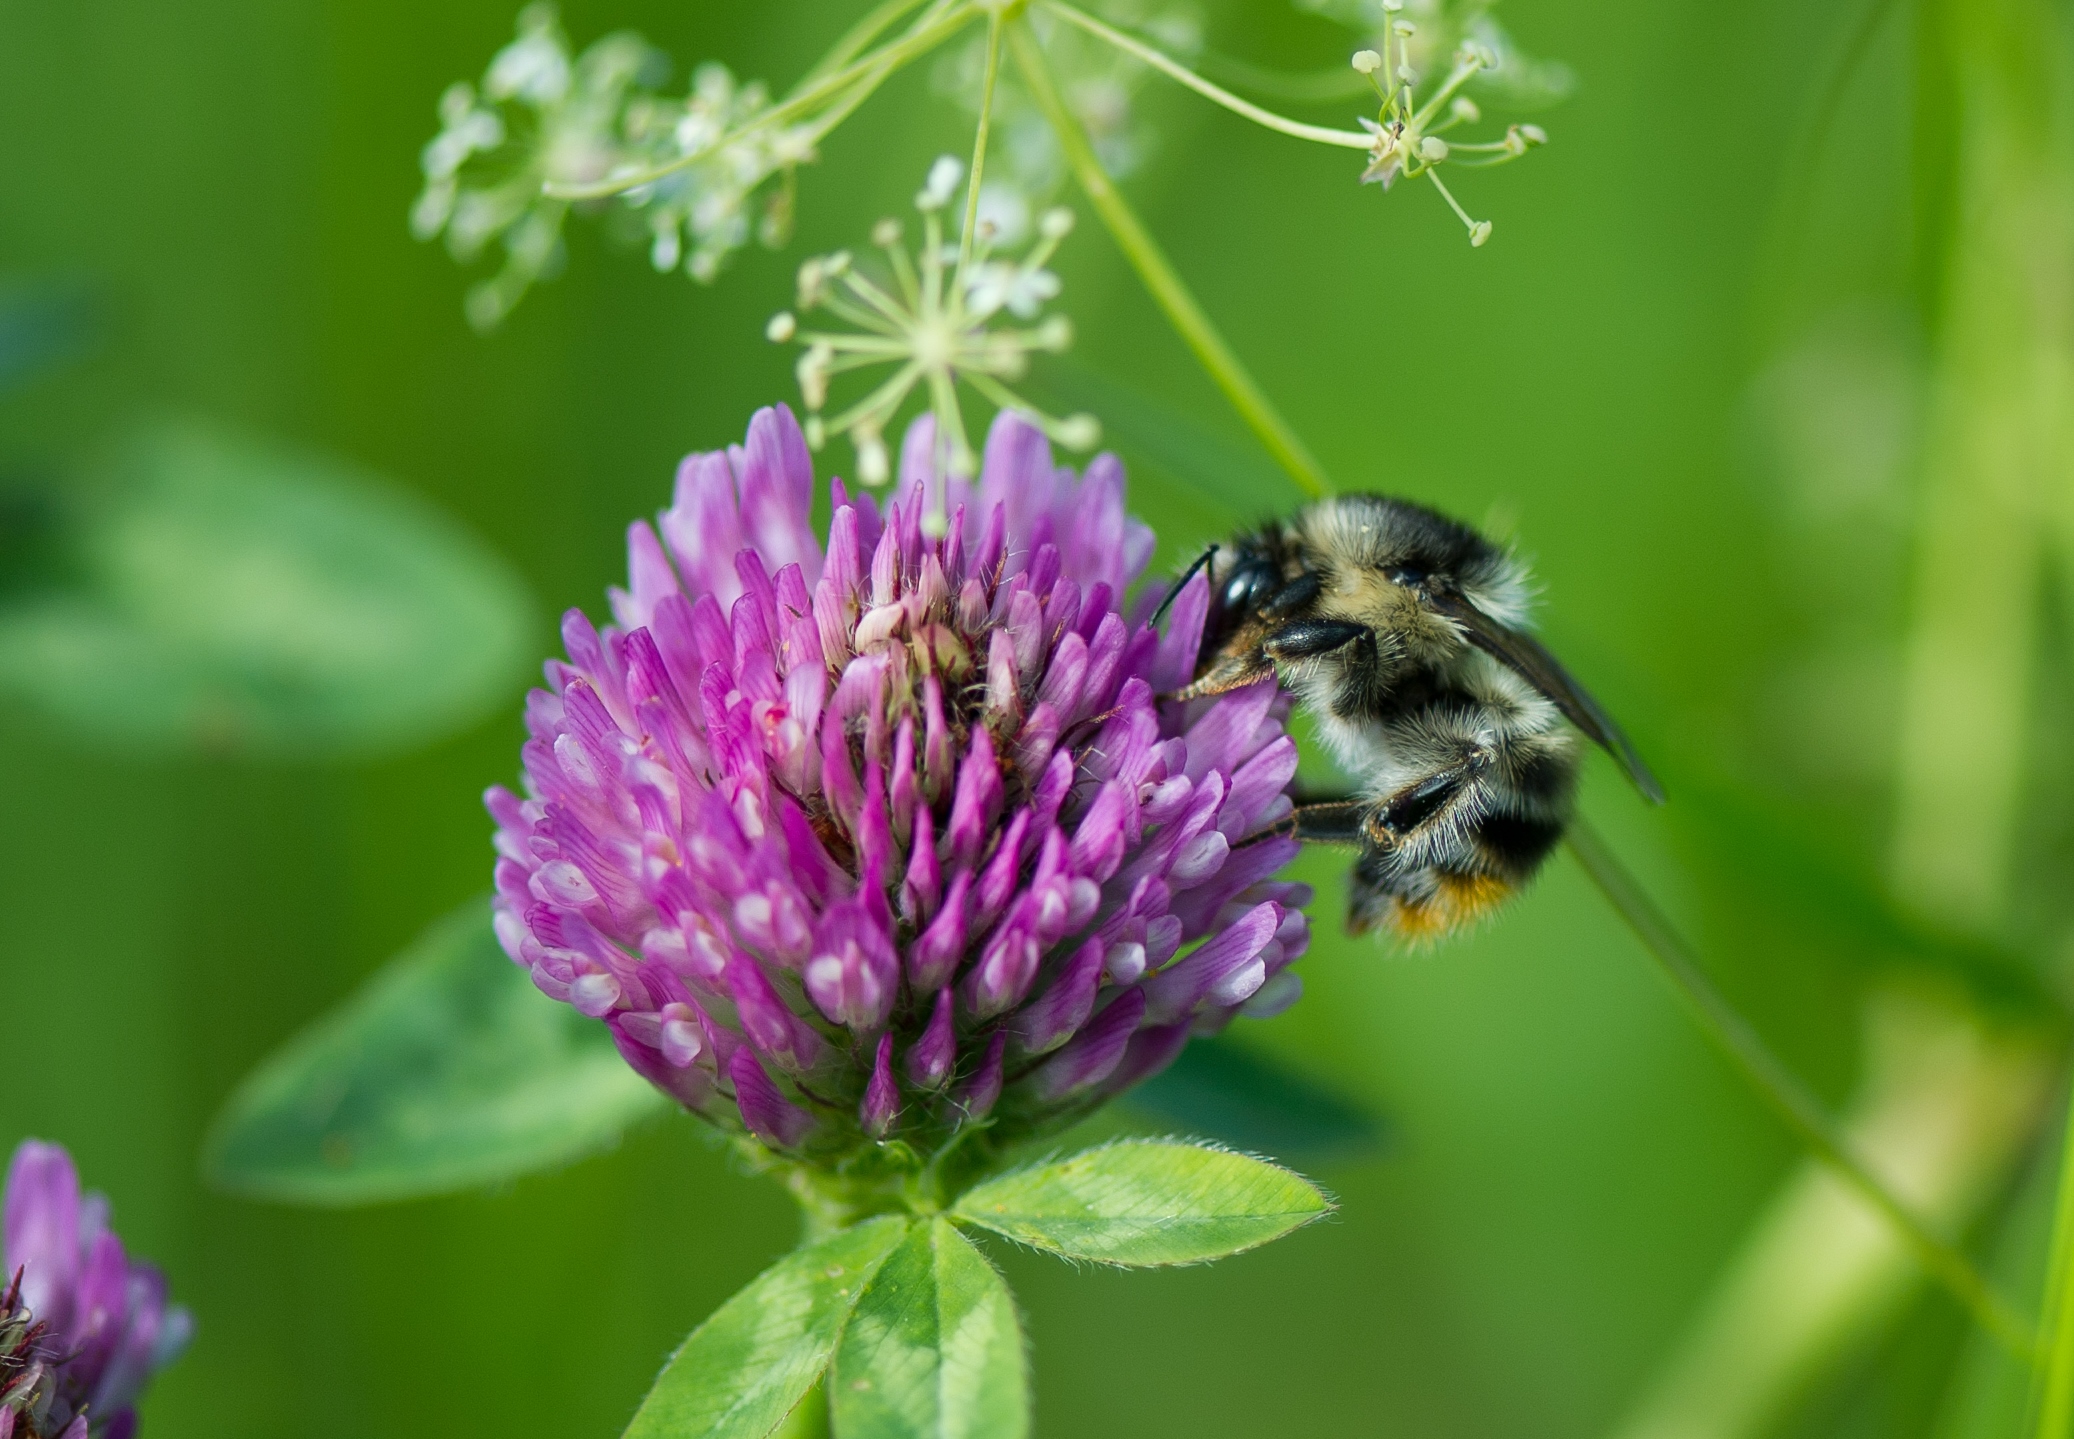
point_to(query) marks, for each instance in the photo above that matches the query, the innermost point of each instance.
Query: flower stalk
(1167, 288)
(1787, 1097)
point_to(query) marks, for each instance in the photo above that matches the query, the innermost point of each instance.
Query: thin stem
(1446, 93)
(1449, 195)
(1783, 1091)
(869, 72)
(1349, 139)
(1311, 87)
(1167, 290)
(979, 148)
(874, 23)
(2052, 1396)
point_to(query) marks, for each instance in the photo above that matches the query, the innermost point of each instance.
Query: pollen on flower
(857, 840)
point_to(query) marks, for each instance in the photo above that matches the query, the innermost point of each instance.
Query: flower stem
(2053, 1399)
(979, 149)
(867, 74)
(1166, 287)
(855, 39)
(1174, 69)
(1783, 1091)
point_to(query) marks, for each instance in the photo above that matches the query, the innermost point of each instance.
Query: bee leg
(1231, 674)
(1307, 639)
(1325, 821)
(1299, 594)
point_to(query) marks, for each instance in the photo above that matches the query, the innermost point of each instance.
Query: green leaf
(741, 1372)
(1230, 1091)
(934, 1350)
(448, 1071)
(1146, 1201)
(225, 595)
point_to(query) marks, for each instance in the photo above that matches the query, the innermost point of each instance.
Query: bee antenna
(1201, 561)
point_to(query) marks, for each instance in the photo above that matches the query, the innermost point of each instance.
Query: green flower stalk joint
(931, 320)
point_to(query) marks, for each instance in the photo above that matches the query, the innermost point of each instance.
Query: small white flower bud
(1080, 432)
(941, 184)
(1466, 110)
(1433, 149)
(1533, 134)
(1478, 233)
(816, 432)
(1056, 223)
(886, 234)
(1406, 74)
(666, 249)
(872, 466)
(1391, 7)
(781, 328)
(1055, 334)
(1367, 61)
(1405, 28)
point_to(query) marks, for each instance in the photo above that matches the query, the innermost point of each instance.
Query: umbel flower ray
(860, 847)
(82, 1327)
(933, 323)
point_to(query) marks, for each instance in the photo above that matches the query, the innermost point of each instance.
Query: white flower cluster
(930, 318)
(1440, 28)
(543, 120)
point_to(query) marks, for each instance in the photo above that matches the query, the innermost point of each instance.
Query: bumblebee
(1404, 634)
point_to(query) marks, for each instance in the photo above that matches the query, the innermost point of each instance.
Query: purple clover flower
(870, 840)
(82, 1328)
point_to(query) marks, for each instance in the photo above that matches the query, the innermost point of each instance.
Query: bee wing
(1530, 660)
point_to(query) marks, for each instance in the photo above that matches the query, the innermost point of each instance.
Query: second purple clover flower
(854, 844)
(82, 1326)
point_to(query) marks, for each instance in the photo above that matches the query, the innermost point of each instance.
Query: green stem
(1310, 87)
(1167, 290)
(868, 74)
(1324, 135)
(852, 44)
(2053, 1394)
(979, 148)
(1782, 1090)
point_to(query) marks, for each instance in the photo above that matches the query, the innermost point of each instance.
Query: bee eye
(1408, 577)
(1248, 583)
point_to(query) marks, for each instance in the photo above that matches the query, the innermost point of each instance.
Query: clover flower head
(930, 318)
(82, 1328)
(864, 846)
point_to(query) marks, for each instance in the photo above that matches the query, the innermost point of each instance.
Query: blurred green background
(1692, 375)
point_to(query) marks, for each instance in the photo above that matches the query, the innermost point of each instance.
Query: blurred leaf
(1234, 472)
(934, 1350)
(449, 1070)
(40, 326)
(1145, 1202)
(741, 1372)
(1250, 1099)
(227, 595)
